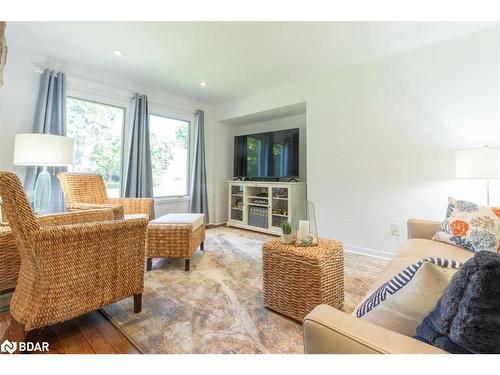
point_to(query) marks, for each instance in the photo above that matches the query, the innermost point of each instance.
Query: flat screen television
(272, 154)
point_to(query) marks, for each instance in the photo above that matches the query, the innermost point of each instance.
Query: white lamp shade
(43, 149)
(478, 163)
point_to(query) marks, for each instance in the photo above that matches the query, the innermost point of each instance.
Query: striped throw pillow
(404, 301)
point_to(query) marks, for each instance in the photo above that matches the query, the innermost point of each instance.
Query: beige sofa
(328, 330)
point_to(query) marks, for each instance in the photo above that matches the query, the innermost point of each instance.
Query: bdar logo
(8, 347)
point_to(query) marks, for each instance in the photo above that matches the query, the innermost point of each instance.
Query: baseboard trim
(215, 225)
(368, 252)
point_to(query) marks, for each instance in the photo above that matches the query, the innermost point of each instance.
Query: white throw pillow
(404, 301)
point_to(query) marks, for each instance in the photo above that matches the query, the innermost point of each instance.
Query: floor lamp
(43, 150)
(479, 163)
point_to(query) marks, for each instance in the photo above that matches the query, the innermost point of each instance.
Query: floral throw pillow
(470, 226)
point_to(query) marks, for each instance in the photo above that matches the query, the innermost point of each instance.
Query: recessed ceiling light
(118, 53)
(203, 83)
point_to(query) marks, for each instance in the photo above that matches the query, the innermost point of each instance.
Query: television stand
(293, 179)
(263, 205)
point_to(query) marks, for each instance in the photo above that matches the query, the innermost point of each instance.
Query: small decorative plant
(286, 227)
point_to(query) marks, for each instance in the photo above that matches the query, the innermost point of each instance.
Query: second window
(169, 141)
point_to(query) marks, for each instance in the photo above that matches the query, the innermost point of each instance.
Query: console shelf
(267, 218)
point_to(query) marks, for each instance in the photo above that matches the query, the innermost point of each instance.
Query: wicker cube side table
(297, 279)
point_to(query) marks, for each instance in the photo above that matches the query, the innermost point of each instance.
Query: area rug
(217, 307)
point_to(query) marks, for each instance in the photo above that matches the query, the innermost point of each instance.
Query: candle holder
(304, 224)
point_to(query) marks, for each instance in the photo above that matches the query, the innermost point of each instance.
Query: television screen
(272, 154)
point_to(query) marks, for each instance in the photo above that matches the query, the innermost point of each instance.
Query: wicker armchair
(69, 270)
(84, 191)
(10, 260)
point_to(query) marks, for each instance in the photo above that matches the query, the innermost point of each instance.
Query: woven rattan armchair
(10, 260)
(69, 270)
(83, 191)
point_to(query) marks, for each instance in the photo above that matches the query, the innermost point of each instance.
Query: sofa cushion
(414, 250)
(401, 303)
(411, 252)
(466, 318)
(470, 226)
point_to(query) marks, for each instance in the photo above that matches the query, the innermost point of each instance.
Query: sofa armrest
(331, 331)
(424, 229)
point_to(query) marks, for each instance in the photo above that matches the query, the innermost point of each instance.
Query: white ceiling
(235, 58)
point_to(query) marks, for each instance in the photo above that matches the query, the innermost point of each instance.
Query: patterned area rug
(217, 307)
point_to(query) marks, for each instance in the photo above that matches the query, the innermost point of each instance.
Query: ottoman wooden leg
(202, 246)
(137, 303)
(149, 264)
(186, 264)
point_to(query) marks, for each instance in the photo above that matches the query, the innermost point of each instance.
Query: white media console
(262, 206)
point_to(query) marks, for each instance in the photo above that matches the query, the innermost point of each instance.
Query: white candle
(303, 232)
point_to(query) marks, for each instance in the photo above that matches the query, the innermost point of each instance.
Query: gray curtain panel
(3, 50)
(198, 193)
(50, 118)
(137, 174)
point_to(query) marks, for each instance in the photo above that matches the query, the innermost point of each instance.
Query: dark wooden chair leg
(186, 264)
(137, 303)
(31, 336)
(149, 264)
(202, 246)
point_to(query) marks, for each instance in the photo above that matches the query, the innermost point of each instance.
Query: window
(97, 130)
(169, 141)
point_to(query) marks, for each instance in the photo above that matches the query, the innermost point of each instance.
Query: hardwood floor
(92, 333)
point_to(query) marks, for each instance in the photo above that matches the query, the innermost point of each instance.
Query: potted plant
(286, 227)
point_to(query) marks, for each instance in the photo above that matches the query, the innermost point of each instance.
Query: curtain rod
(126, 93)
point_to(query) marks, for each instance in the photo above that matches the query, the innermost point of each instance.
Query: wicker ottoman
(175, 236)
(297, 279)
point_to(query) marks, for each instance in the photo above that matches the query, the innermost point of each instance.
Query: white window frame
(173, 115)
(104, 100)
(100, 93)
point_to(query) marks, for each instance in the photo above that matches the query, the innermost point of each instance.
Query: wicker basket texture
(173, 240)
(69, 266)
(84, 191)
(297, 279)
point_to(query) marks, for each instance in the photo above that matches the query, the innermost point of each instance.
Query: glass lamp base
(41, 194)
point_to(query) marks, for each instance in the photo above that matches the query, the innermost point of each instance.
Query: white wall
(223, 169)
(18, 99)
(381, 136)
(19, 94)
